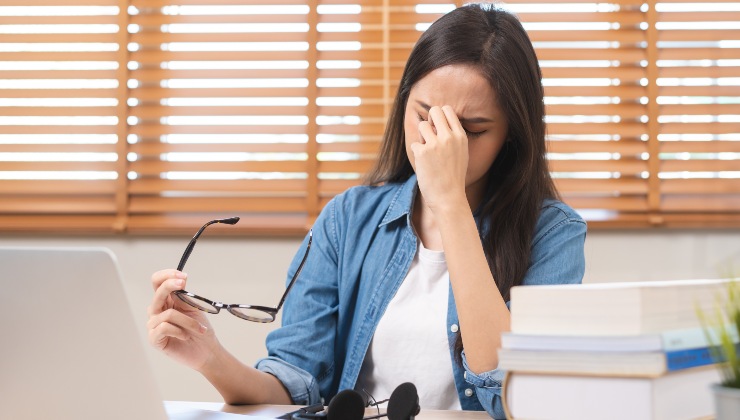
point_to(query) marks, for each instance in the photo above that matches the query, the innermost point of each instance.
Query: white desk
(279, 410)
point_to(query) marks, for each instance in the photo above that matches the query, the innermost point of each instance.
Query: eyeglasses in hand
(249, 312)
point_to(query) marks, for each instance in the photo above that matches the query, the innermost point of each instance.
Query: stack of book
(610, 351)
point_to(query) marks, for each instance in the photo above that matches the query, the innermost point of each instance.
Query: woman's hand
(183, 333)
(179, 330)
(441, 159)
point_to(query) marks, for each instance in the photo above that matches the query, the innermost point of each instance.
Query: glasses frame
(216, 306)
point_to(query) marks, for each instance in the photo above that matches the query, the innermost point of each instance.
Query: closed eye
(473, 134)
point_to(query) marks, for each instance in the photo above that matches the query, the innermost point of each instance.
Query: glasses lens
(250, 314)
(197, 303)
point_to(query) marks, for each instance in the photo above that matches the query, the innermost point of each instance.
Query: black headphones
(349, 405)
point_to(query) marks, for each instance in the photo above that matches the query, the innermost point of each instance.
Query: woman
(409, 276)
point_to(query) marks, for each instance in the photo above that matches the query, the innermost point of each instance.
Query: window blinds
(642, 108)
(60, 97)
(158, 115)
(221, 116)
(698, 113)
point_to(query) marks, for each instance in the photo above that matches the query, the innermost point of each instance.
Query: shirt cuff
(488, 388)
(301, 385)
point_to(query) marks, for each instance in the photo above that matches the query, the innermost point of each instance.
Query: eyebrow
(474, 120)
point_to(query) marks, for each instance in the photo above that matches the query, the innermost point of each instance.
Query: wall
(252, 270)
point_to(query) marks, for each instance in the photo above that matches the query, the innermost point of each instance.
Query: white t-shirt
(410, 342)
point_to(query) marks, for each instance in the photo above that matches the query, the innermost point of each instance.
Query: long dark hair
(495, 42)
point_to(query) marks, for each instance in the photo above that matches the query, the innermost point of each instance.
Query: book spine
(688, 358)
(690, 338)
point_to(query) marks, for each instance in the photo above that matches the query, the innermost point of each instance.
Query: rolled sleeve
(300, 384)
(487, 388)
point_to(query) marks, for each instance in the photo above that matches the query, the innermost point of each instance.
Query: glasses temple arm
(191, 245)
(298, 271)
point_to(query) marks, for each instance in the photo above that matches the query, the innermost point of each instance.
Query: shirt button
(465, 375)
(454, 328)
(468, 392)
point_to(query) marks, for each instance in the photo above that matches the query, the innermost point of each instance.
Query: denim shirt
(363, 246)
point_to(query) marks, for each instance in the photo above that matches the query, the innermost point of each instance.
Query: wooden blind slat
(151, 57)
(623, 129)
(699, 54)
(700, 146)
(625, 203)
(91, 111)
(700, 165)
(143, 4)
(625, 110)
(77, 204)
(257, 224)
(146, 204)
(718, 128)
(573, 187)
(57, 148)
(164, 111)
(616, 166)
(149, 39)
(625, 147)
(244, 186)
(694, 35)
(56, 93)
(59, 38)
(56, 187)
(699, 203)
(58, 74)
(59, 166)
(58, 56)
(699, 16)
(51, 20)
(156, 148)
(155, 20)
(161, 130)
(149, 93)
(157, 167)
(700, 186)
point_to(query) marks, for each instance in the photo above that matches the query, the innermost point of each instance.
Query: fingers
(162, 275)
(167, 285)
(417, 148)
(443, 124)
(439, 120)
(174, 324)
(159, 336)
(452, 120)
(426, 131)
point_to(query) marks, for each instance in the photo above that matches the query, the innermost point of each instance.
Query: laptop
(70, 348)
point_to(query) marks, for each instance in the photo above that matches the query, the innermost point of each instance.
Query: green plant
(722, 331)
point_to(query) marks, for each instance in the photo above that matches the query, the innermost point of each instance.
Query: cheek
(411, 133)
(482, 153)
(411, 127)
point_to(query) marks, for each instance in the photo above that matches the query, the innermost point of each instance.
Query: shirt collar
(402, 201)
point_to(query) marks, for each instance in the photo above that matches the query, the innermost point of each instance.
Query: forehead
(461, 86)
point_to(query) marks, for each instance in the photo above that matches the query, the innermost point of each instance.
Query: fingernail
(179, 283)
(181, 275)
(203, 328)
